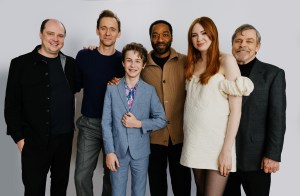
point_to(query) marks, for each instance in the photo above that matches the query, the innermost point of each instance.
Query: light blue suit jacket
(146, 108)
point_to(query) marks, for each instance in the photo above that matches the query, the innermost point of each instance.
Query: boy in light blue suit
(131, 110)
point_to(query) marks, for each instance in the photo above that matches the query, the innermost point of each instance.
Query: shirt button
(47, 110)
(46, 74)
(164, 81)
(48, 85)
(168, 122)
(47, 123)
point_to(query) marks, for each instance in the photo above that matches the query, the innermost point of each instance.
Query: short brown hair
(135, 47)
(108, 13)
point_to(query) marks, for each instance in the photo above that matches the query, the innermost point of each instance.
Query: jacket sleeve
(78, 73)
(13, 103)
(276, 122)
(107, 123)
(71, 74)
(157, 118)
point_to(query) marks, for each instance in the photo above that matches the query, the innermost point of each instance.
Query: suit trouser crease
(89, 145)
(138, 169)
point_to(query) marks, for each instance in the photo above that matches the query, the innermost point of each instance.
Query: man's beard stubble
(161, 50)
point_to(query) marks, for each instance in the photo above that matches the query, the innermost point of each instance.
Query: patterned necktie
(130, 96)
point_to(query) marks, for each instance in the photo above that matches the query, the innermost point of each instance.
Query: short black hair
(161, 22)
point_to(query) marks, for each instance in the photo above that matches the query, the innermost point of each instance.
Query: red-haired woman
(212, 109)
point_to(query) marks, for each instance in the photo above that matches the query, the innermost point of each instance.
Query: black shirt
(159, 61)
(246, 68)
(61, 99)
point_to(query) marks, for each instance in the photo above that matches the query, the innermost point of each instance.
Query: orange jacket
(170, 87)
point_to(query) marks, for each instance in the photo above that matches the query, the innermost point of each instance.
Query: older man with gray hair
(260, 137)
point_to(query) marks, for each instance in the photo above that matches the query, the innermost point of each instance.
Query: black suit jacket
(263, 121)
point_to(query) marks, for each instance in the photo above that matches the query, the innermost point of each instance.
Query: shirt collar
(126, 86)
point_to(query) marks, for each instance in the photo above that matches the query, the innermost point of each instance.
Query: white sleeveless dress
(205, 119)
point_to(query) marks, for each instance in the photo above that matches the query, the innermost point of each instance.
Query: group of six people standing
(221, 115)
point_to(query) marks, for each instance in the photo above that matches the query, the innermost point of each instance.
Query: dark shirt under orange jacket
(170, 87)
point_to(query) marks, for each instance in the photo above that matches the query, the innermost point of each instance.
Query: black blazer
(27, 92)
(263, 121)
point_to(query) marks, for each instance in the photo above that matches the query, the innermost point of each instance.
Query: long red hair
(213, 52)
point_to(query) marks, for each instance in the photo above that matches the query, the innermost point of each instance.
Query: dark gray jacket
(263, 120)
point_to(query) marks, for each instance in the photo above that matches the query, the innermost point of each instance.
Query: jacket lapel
(139, 93)
(121, 89)
(255, 76)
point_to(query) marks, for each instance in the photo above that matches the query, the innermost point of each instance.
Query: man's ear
(257, 48)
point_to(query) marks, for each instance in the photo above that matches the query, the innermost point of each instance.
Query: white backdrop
(278, 23)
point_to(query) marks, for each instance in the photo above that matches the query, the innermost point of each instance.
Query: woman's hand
(224, 162)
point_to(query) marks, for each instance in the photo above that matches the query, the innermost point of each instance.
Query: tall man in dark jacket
(260, 137)
(39, 111)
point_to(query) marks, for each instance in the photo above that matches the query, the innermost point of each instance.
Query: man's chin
(54, 51)
(241, 57)
(108, 44)
(161, 51)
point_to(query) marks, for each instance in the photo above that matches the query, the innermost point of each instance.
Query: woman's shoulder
(229, 66)
(226, 59)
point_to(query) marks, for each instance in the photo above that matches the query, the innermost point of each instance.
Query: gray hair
(245, 27)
